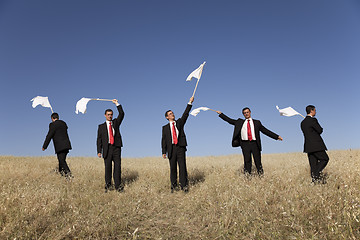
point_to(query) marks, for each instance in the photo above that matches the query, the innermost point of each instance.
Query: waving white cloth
(81, 105)
(196, 73)
(43, 101)
(288, 112)
(197, 110)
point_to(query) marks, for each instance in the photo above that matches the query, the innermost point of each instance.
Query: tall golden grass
(37, 203)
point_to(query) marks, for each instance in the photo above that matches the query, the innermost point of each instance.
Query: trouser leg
(108, 167)
(117, 167)
(257, 157)
(181, 159)
(322, 160)
(173, 167)
(63, 167)
(247, 158)
(315, 175)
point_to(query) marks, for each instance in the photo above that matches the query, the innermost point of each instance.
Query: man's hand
(43, 149)
(191, 100)
(99, 155)
(280, 138)
(218, 112)
(115, 101)
(164, 156)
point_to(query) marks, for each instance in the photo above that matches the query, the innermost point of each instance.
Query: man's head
(108, 114)
(311, 110)
(169, 115)
(54, 117)
(246, 112)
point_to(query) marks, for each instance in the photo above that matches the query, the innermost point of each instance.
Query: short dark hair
(309, 108)
(166, 113)
(108, 110)
(55, 116)
(245, 109)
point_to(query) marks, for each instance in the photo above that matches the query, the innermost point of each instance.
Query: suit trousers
(251, 148)
(318, 161)
(63, 167)
(178, 158)
(114, 155)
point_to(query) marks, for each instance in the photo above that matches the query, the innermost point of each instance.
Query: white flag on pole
(196, 73)
(81, 105)
(197, 110)
(39, 100)
(288, 112)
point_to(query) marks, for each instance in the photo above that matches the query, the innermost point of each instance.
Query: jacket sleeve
(163, 142)
(185, 115)
(267, 132)
(317, 126)
(99, 141)
(121, 115)
(227, 119)
(49, 136)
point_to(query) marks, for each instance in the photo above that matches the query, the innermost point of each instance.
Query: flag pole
(198, 81)
(100, 99)
(51, 110)
(301, 115)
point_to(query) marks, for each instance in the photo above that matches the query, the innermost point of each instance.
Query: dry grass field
(37, 203)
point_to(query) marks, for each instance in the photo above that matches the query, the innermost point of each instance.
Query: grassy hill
(37, 203)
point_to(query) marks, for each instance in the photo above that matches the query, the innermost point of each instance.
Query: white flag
(81, 105)
(196, 73)
(197, 110)
(43, 101)
(288, 112)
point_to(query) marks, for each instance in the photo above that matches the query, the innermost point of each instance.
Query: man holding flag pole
(109, 145)
(173, 143)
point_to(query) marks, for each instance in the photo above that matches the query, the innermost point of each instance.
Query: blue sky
(259, 54)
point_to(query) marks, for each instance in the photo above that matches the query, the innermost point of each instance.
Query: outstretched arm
(226, 118)
(185, 115)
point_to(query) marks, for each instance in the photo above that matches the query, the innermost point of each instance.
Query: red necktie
(175, 140)
(249, 131)
(111, 136)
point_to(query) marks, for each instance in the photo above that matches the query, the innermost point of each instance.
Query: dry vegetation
(36, 203)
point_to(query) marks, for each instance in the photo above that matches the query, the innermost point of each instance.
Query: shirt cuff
(189, 103)
(117, 104)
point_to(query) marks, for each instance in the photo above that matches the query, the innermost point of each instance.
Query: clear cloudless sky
(259, 54)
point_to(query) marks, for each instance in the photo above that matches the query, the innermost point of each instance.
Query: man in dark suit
(173, 143)
(109, 145)
(314, 145)
(247, 135)
(58, 133)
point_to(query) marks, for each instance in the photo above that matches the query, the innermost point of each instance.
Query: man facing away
(247, 135)
(58, 133)
(109, 145)
(314, 145)
(173, 143)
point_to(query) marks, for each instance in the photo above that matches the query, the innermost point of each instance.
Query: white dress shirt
(244, 133)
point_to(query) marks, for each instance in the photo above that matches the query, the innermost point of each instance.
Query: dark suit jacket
(58, 133)
(258, 127)
(102, 142)
(312, 130)
(166, 140)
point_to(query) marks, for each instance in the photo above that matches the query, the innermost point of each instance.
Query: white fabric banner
(196, 73)
(197, 110)
(39, 100)
(81, 105)
(288, 112)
